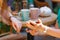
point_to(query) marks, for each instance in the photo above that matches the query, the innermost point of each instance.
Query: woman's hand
(17, 25)
(35, 33)
(34, 27)
(32, 32)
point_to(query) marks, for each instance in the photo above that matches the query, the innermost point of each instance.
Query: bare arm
(8, 18)
(56, 25)
(42, 28)
(52, 32)
(5, 17)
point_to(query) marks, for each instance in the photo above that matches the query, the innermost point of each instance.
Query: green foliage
(56, 9)
(4, 27)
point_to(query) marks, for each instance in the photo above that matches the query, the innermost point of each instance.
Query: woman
(7, 17)
(37, 27)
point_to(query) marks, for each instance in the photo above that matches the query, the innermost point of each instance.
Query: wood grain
(14, 37)
(55, 0)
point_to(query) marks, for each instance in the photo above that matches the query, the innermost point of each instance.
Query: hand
(17, 25)
(35, 27)
(33, 32)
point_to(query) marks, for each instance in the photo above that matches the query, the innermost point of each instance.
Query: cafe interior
(15, 15)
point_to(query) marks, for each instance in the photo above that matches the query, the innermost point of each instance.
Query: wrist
(41, 29)
(45, 29)
(10, 16)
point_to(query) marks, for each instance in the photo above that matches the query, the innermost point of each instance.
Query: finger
(33, 32)
(30, 31)
(27, 30)
(39, 21)
(14, 26)
(33, 23)
(18, 27)
(30, 26)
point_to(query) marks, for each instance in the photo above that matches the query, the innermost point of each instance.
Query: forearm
(56, 25)
(6, 18)
(52, 32)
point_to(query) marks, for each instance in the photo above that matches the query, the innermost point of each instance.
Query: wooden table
(55, 0)
(14, 37)
(45, 20)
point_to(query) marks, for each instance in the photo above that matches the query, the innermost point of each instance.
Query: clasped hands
(34, 28)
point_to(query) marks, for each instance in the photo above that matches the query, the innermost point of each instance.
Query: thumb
(39, 21)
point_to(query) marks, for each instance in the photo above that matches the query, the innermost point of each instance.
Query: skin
(6, 13)
(40, 28)
(1, 3)
(35, 28)
(56, 25)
